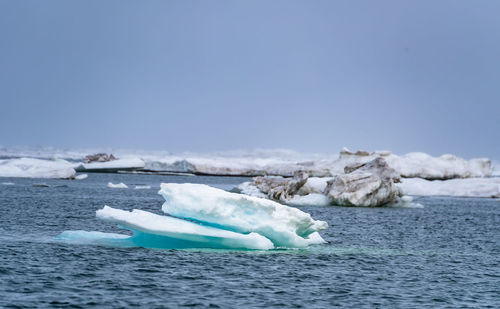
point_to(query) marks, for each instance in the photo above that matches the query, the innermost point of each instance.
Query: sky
(206, 76)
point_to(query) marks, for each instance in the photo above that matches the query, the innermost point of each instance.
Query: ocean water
(445, 255)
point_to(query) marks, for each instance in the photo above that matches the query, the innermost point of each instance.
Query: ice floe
(199, 216)
(81, 176)
(468, 187)
(111, 166)
(36, 168)
(142, 187)
(120, 185)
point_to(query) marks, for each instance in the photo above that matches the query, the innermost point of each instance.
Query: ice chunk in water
(284, 226)
(120, 185)
(207, 217)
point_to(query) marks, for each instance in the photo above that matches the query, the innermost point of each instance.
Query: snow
(468, 187)
(120, 185)
(284, 226)
(115, 165)
(36, 168)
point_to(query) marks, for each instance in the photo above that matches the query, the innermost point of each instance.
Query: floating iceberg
(36, 168)
(120, 185)
(199, 216)
(284, 226)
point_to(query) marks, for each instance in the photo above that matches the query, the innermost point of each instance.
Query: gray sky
(218, 75)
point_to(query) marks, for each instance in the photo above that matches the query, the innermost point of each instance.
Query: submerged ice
(199, 216)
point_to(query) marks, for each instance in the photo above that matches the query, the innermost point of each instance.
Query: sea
(443, 255)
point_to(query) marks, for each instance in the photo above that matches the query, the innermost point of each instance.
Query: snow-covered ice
(115, 165)
(207, 217)
(419, 164)
(468, 187)
(269, 162)
(36, 168)
(120, 185)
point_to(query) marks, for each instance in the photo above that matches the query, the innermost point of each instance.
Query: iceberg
(36, 168)
(120, 185)
(199, 216)
(284, 226)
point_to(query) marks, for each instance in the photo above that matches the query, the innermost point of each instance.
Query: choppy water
(446, 254)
